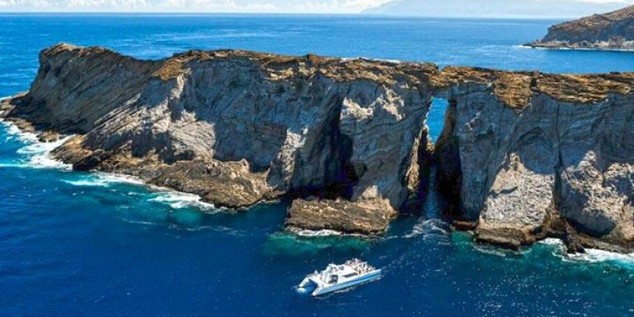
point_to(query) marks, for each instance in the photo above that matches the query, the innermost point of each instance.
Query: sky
(227, 6)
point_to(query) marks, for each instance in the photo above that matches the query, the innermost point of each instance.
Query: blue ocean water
(91, 244)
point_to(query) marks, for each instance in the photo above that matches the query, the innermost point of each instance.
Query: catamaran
(338, 277)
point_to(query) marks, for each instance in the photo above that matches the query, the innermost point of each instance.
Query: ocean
(94, 244)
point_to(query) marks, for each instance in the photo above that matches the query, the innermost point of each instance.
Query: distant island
(610, 31)
(563, 9)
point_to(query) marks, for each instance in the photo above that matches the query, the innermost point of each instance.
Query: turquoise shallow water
(74, 244)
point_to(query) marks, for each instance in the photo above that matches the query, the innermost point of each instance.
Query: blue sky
(267, 6)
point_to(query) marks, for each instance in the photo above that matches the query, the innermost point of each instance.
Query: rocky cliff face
(239, 127)
(523, 156)
(544, 155)
(614, 30)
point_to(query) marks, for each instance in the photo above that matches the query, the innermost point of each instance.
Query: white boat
(337, 277)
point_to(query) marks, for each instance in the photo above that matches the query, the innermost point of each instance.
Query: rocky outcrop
(240, 127)
(610, 31)
(523, 155)
(539, 155)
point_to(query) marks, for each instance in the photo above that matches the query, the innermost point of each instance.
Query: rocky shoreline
(613, 31)
(523, 156)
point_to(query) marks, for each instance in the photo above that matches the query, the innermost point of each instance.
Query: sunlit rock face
(241, 127)
(540, 155)
(523, 155)
(612, 31)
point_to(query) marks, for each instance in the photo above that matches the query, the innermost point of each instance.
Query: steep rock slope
(614, 30)
(240, 127)
(540, 155)
(523, 156)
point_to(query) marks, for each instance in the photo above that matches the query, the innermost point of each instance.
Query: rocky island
(609, 31)
(523, 155)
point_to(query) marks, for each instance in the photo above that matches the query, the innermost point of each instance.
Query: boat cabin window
(333, 279)
(350, 275)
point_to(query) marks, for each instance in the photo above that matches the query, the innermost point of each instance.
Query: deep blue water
(79, 244)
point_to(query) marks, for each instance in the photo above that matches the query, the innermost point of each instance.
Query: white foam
(594, 256)
(100, 179)
(429, 226)
(315, 233)
(39, 154)
(490, 250)
(179, 200)
(589, 256)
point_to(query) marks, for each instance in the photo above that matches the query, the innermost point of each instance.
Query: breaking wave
(179, 200)
(99, 179)
(39, 154)
(315, 233)
(35, 154)
(590, 255)
(429, 226)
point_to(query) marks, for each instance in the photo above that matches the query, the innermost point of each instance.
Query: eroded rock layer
(240, 127)
(541, 155)
(523, 155)
(612, 31)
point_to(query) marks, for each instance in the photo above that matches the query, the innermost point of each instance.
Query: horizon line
(358, 14)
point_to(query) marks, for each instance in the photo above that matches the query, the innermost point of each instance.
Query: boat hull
(361, 279)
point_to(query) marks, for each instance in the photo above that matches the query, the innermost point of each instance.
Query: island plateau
(523, 155)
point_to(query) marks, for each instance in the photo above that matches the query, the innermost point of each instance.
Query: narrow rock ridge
(523, 155)
(609, 31)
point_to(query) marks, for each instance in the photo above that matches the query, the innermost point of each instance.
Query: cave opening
(436, 117)
(447, 169)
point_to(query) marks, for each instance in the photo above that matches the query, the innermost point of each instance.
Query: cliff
(523, 155)
(544, 155)
(238, 128)
(612, 31)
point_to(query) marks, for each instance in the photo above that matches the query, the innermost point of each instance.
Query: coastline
(322, 154)
(99, 178)
(590, 255)
(572, 48)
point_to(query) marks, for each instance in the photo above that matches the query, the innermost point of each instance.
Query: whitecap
(13, 165)
(140, 222)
